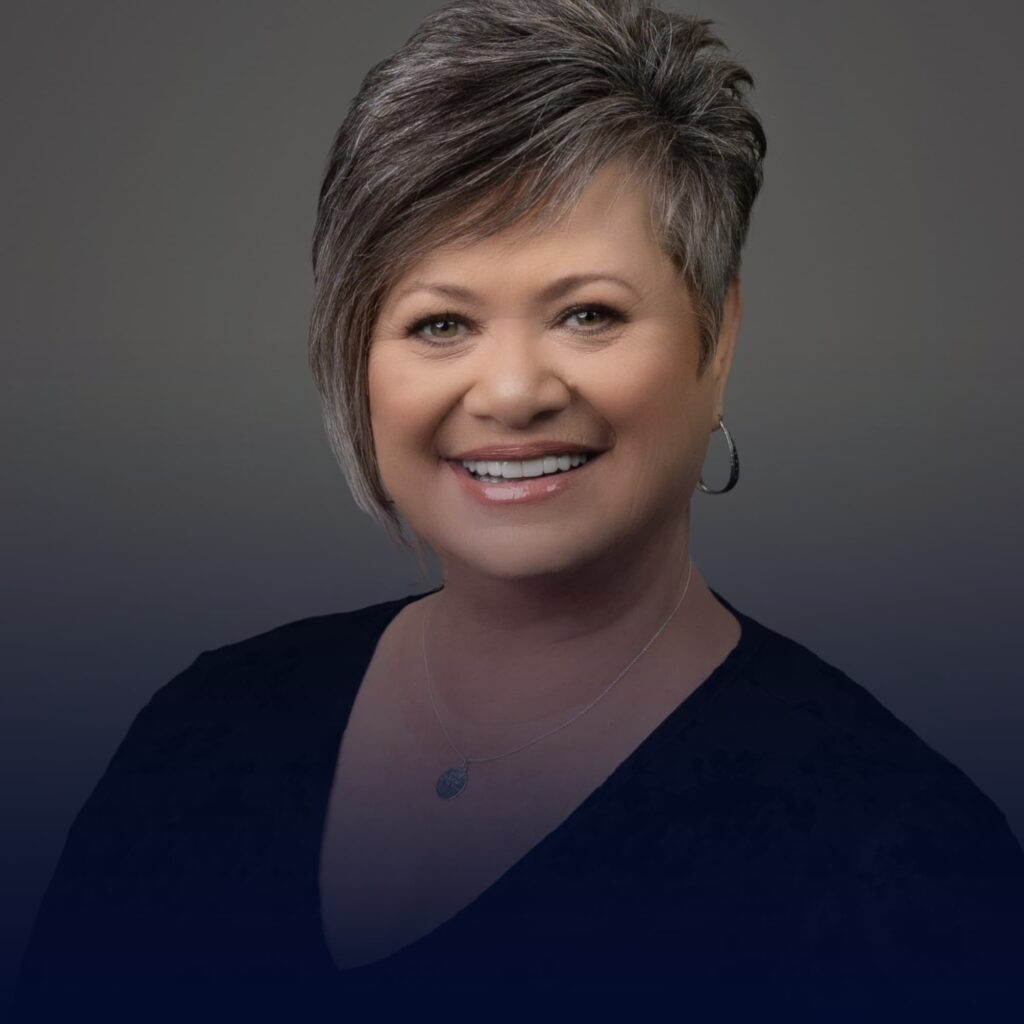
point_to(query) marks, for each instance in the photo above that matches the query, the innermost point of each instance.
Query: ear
(721, 363)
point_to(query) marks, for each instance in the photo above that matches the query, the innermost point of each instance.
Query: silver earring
(734, 464)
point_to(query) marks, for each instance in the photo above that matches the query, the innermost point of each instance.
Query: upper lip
(533, 450)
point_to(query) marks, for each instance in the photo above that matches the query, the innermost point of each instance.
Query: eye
(595, 318)
(442, 329)
(436, 328)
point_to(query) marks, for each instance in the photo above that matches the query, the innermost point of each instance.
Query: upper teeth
(528, 467)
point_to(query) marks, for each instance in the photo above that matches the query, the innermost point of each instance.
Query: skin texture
(556, 597)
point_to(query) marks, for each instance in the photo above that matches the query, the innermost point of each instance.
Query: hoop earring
(734, 464)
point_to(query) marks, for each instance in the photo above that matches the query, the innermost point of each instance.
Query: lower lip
(525, 490)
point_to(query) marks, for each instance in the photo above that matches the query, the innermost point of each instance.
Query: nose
(514, 379)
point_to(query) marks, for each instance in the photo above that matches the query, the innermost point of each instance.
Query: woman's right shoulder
(251, 700)
(295, 653)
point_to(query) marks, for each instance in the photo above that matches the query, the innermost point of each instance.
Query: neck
(505, 652)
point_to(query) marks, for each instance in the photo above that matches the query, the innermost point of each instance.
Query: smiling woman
(580, 338)
(574, 769)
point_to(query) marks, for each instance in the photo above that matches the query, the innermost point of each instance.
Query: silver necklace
(452, 781)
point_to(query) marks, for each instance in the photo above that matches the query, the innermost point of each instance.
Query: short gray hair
(499, 112)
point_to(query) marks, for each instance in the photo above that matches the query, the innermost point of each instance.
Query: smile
(520, 482)
(495, 471)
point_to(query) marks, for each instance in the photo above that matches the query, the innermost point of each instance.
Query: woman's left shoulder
(911, 855)
(834, 729)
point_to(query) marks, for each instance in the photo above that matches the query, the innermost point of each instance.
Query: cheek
(387, 426)
(659, 398)
(405, 411)
(659, 416)
(392, 394)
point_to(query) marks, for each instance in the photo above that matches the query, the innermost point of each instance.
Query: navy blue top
(779, 844)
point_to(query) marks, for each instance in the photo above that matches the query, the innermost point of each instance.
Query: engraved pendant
(452, 781)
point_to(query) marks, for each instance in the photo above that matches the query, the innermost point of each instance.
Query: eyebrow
(549, 293)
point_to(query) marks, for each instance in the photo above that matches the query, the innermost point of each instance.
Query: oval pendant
(452, 782)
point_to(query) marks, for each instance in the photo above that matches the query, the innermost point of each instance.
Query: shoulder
(288, 657)
(247, 730)
(805, 725)
(254, 701)
(823, 702)
(888, 843)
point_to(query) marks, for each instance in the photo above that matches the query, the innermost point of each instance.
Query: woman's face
(583, 335)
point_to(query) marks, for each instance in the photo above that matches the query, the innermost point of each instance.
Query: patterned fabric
(781, 846)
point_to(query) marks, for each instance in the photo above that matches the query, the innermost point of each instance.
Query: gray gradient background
(168, 487)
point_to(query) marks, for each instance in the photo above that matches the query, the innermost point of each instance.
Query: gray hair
(499, 112)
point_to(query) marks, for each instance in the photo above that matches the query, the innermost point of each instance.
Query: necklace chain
(465, 761)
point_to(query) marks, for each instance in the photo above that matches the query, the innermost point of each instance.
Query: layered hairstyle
(497, 113)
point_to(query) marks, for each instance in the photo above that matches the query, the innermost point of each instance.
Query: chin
(522, 558)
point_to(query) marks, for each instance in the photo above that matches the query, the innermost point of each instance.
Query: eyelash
(614, 319)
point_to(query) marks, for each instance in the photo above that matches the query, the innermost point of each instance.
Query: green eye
(442, 324)
(436, 329)
(591, 319)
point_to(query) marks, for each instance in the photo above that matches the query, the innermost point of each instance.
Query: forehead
(610, 228)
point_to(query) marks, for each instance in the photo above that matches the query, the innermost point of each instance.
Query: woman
(573, 770)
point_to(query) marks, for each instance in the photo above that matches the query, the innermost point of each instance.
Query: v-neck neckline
(368, 637)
